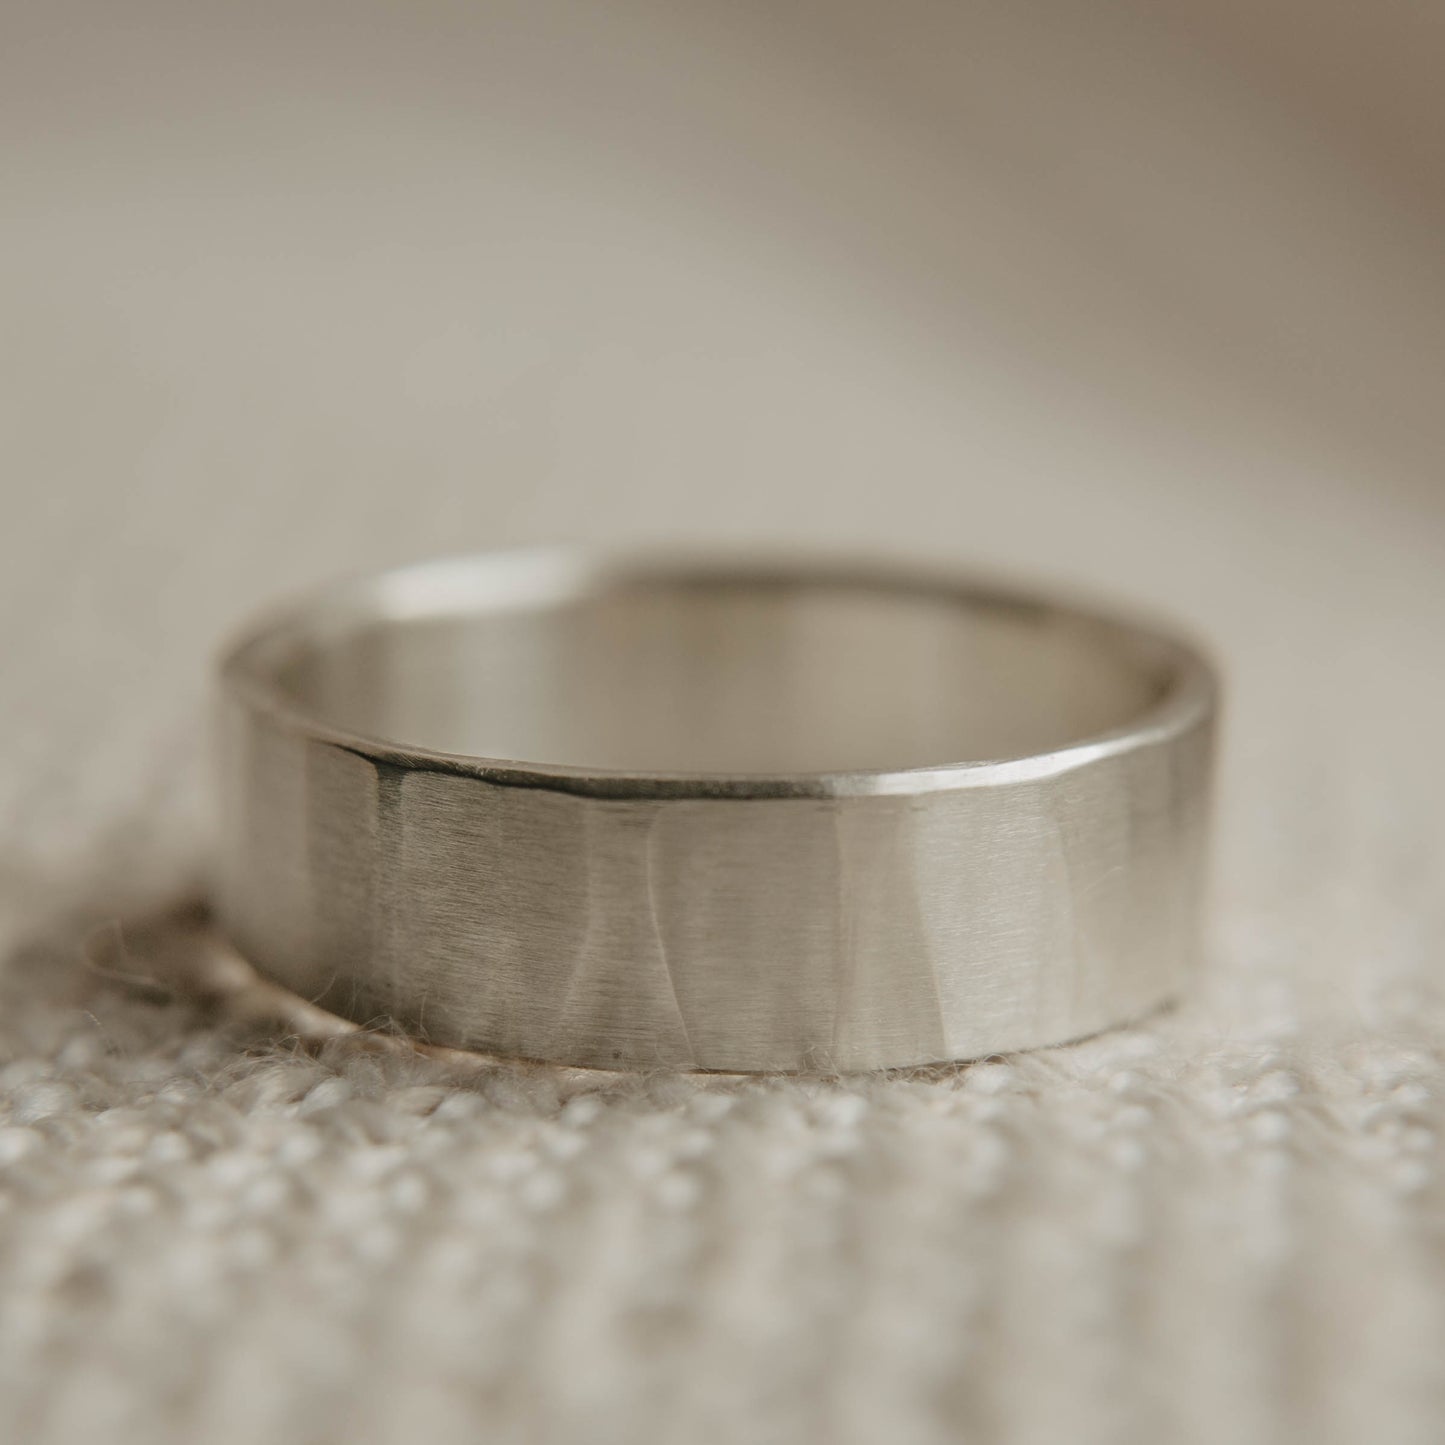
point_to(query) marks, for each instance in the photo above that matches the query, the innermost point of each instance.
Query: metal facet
(637, 813)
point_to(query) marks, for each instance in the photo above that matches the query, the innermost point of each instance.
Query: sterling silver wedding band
(689, 813)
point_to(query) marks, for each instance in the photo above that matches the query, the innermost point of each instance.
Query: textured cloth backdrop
(1117, 295)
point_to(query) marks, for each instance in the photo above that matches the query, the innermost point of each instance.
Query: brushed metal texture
(688, 813)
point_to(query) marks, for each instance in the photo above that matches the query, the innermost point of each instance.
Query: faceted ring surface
(701, 813)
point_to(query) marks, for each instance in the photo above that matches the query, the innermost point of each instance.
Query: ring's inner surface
(726, 676)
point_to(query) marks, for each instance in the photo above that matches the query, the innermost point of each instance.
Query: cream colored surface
(1124, 296)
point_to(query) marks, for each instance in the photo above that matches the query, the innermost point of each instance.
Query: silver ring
(687, 813)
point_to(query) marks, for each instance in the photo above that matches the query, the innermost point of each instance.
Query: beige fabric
(1119, 295)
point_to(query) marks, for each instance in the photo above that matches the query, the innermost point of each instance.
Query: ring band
(634, 812)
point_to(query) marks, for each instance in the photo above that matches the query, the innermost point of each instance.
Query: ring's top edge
(526, 578)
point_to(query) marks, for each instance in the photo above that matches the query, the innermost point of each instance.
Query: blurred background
(1148, 297)
(1145, 298)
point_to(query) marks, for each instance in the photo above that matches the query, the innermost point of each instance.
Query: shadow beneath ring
(177, 954)
(176, 957)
